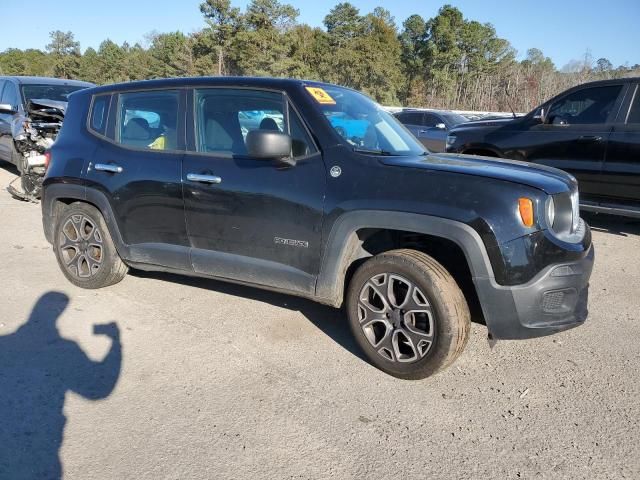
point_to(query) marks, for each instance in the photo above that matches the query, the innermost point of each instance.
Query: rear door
(621, 173)
(413, 121)
(137, 165)
(252, 220)
(575, 134)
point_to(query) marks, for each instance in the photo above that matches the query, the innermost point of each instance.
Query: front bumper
(554, 300)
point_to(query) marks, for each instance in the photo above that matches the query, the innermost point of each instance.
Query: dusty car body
(31, 113)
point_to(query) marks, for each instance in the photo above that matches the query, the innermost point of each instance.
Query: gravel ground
(220, 381)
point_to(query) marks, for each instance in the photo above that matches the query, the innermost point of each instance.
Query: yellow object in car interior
(159, 143)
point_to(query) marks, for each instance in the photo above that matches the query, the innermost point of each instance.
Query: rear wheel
(407, 314)
(84, 249)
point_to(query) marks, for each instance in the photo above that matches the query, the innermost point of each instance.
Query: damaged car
(31, 113)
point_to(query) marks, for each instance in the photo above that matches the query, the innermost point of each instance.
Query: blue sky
(563, 29)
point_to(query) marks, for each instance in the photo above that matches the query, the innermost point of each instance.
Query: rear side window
(225, 116)
(430, 120)
(411, 118)
(148, 120)
(99, 113)
(585, 106)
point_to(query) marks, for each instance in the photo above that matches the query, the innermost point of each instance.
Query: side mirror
(441, 126)
(6, 108)
(269, 145)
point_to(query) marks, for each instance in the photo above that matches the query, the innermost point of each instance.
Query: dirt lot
(221, 381)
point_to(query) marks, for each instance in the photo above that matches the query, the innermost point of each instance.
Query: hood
(548, 179)
(41, 107)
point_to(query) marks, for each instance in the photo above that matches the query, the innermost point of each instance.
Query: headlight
(575, 207)
(451, 139)
(550, 211)
(562, 213)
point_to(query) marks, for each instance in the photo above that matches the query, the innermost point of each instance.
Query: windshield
(50, 92)
(454, 118)
(362, 123)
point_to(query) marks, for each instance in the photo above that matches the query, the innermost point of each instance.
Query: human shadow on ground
(37, 368)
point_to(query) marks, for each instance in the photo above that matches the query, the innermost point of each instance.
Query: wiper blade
(372, 151)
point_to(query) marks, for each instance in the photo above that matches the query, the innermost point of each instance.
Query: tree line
(446, 61)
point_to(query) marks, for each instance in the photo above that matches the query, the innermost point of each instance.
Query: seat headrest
(269, 124)
(216, 137)
(136, 129)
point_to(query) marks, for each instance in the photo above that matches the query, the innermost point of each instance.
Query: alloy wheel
(396, 318)
(81, 246)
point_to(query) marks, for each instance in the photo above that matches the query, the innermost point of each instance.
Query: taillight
(47, 159)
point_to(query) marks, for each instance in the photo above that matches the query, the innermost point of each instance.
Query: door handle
(108, 167)
(589, 138)
(196, 177)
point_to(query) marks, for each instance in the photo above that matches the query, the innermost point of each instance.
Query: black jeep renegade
(313, 190)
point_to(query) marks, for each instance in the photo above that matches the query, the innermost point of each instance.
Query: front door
(621, 174)
(574, 136)
(433, 133)
(251, 220)
(139, 170)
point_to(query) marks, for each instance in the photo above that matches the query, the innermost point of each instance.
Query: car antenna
(506, 91)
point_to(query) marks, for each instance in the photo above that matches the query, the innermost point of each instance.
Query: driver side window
(430, 120)
(10, 95)
(224, 117)
(586, 106)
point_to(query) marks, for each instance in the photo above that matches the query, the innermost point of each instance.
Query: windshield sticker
(321, 96)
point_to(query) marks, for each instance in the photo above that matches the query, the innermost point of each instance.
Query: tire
(407, 314)
(84, 249)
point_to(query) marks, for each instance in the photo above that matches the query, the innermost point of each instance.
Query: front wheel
(407, 314)
(84, 249)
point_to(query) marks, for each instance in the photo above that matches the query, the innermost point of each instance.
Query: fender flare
(343, 243)
(56, 191)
